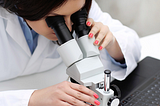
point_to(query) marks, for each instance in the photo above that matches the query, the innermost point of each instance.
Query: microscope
(82, 58)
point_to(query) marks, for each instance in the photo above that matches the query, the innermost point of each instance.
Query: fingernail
(91, 35)
(97, 102)
(88, 23)
(100, 48)
(96, 96)
(96, 42)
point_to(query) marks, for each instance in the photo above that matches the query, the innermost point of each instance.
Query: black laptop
(142, 86)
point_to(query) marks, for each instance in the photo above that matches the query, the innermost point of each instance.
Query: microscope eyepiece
(57, 23)
(79, 19)
(52, 21)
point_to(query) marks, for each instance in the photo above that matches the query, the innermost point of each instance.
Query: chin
(54, 39)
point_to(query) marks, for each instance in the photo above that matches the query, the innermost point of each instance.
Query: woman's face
(66, 10)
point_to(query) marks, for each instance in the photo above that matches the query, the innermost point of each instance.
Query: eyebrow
(56, 14)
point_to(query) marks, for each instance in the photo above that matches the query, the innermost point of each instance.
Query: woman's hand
(64, 94)
(105, 39)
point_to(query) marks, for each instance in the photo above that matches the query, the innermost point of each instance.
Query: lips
(54, 34)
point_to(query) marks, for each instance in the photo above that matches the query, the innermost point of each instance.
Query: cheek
(40, 27)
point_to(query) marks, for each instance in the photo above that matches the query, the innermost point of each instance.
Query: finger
(82, 97)
(90, 22)
(73, 101)
(95, 30)
(63, 103)
(82, 89)
(107, 41)
(84, 94)
(101, 35)
(59, 100)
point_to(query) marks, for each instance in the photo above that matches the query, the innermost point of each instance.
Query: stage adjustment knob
(114, 101)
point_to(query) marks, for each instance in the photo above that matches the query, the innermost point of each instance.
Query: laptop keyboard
(146, 95)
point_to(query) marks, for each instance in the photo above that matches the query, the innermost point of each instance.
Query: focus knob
(114, 101)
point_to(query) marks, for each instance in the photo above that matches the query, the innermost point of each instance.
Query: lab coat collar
(14, 29)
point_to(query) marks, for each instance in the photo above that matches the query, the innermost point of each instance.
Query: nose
(68, 22)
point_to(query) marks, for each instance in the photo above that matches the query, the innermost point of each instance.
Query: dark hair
(35, 9)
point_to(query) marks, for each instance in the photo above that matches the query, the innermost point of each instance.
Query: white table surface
(150, 47)
(35, 81)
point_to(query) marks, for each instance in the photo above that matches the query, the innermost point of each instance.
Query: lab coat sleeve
(127, 39)
(15, 98)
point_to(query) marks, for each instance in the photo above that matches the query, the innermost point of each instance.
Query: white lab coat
(16, 59)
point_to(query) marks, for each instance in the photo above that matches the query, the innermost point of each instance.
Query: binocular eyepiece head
(57, 23)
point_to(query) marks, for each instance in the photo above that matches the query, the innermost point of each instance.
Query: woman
(26, 47)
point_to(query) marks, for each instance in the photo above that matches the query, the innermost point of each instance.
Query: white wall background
(141, 15)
